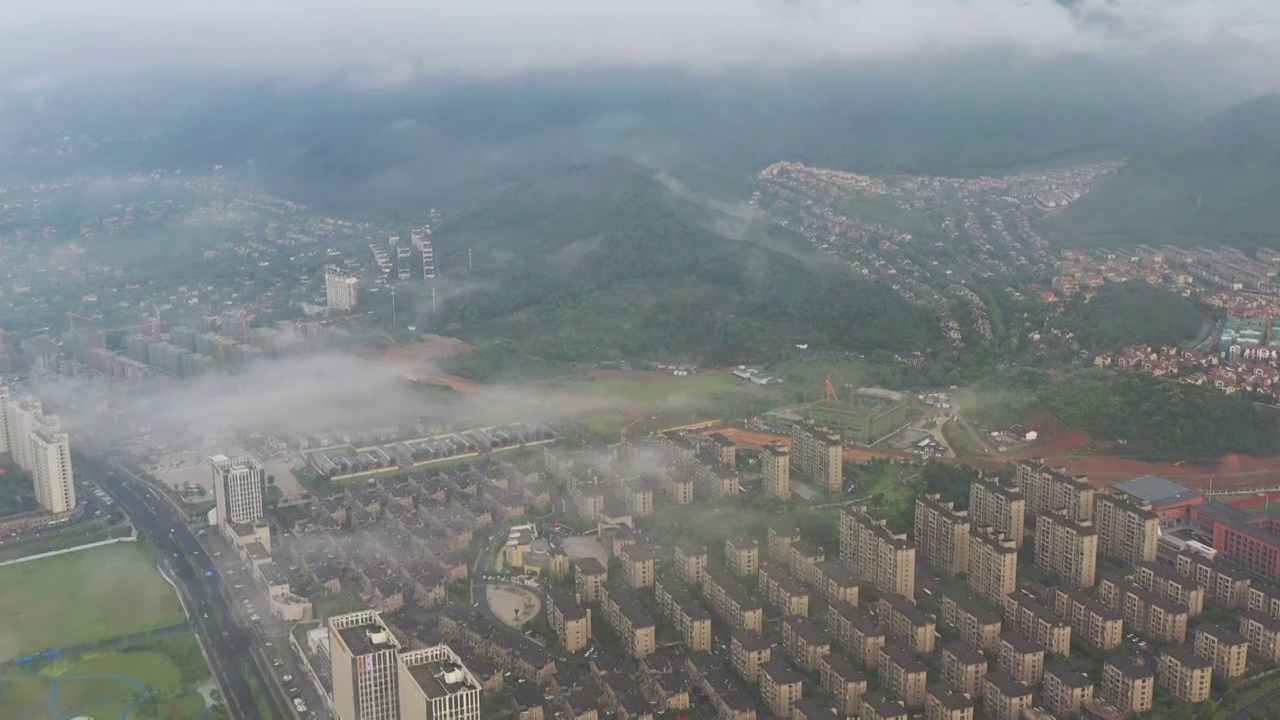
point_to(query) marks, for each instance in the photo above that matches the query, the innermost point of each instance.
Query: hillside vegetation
(1132, 314)
(1215, 185)
(1148, 418)
(602, 263)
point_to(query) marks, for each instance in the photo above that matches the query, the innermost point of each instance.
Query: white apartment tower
(422, 240)
(239, 485)
(435, 685)
(22, 414)
(340, 290)
(50, 450)
(364, 657)
(4, 419)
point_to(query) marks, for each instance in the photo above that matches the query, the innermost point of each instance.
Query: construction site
(864, 416)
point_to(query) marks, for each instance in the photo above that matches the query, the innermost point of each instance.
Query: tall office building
(364, 657)
(775, 462)
(1003, 508)
(50, 451)
(239, 485)
(340, 291)
(436, 685)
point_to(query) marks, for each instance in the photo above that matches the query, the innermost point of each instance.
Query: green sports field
(82, 597)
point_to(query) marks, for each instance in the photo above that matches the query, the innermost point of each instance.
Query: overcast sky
(385, 42)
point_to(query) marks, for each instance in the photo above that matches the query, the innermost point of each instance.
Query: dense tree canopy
(1132, 314)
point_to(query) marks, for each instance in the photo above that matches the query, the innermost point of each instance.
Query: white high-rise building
(435, 685)
(239, 487)
(50, 450)
(364, 659)
(340, 290)
(22, 414)
(4, 419)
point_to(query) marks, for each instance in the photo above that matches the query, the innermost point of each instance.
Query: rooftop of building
(1020, 644)
(808, 630)
(1067, 675)
(882, 705)
(1131, 666)
(812, 709)
(964, 652)
(903, 658)
(1063, 520)
(1156, 490)
(843, 666)
(751, 641)
(1223, 635)
(360, 639)
(1266, 621)
(1186, 657)
(949, 697)
(441, 678)
(1134, 506)
(1006, 685)
(908, 609)
(973, 607)
(589, 566)
(780, 672)
(1241, 522)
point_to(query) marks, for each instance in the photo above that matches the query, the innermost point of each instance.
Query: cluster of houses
(1253, 373)
(345, 461)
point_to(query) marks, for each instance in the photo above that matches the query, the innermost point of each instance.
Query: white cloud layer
(387, 42)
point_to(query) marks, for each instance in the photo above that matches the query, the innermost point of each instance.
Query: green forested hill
(602, 263)
(1132, 314)
(1215, 185)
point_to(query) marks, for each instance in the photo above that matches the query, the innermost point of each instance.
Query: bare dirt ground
(750, 438)
(202, 473)
(514, 605)
(580, 546)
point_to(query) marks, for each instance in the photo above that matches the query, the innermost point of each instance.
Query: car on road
(287, 678)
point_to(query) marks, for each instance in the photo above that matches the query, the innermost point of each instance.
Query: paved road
(227, 643)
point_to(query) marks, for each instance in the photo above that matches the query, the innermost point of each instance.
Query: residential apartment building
(1167, 583)
(340, 290)
(1067, 548)
(629, 621)
(435, 684)
(1038, 623)
(364, 664)
(998, 506)
(570, 621)
(1128, 683)
(691, 562)
(679, 486)
(1091, 620)
(740, 610)
(1003, 697)
(1021, 658)
(902, 675)
(993, 563)
(778, 541)
(906, 623)
(1186, 675)
(843, 681)
(1050, 490)
(780, 687)
(942, 702)
(239, 489)
(727, 697)
(684, 611)
(1144, 611)
(812, 709)
(941, 535)
(977, 626)
(964, 668)
(775, 464)
(818, 455)
(589, 577)
(879, 706)
(1065, 690)
(747, 651)
(49, 451)
(1264, 599)
(638, 565)
(861, 635)
(835, 583)
(783, 591)
(804, 641)
(876, 555)
(1127, 530)
(1263, 634)
(1227, 585)
(804, 560)
(1226, 649)
(742, 556)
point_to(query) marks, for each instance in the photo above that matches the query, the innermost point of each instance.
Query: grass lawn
(111, 684)
(960, 440)
(82, 597)
(660, 391)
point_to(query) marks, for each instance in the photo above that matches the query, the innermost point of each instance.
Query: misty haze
(800, 359)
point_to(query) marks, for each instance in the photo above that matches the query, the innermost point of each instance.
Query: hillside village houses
(1254, 371)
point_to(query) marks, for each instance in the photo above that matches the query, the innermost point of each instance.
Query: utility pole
(468, 258)
(433, 298)
(393, 306)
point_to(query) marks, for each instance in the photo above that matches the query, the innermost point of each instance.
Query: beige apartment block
(1003, 697)
(879, 706)
(1037, 623)
(843, 680)
(775, 465)
(778, 540)
(818, 455)
(964, 668)
(1128, 683)
(783, 591)
(907, 624)
(629, 620)
(1021, 658)
(1000, 507)
(1226, 649)
(942, 535)
(570, 621)
(902, 675)
(1050, 490)
(742, 557)
(1165, 582)
(639, 563)
(1065, 690)
(1068, 548)
(976, 625)
(836, 583)
(691, 561)
(875, 555)
(1144, 611)
(1184, 674)
(684, 611)
(1227, 585)
(942, 702)
(1091, 620)
(589, 577)
(1263, 634)
(1127, 530)
(805, 642)
(993, 563)
(858, 632)
(780, 687)
(748, 650)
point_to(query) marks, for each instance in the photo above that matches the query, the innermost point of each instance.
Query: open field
(82, 597)
(653, 389)
(514, 605)
(158, 681)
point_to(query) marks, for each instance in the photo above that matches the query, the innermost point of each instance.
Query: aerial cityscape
(888, 360)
